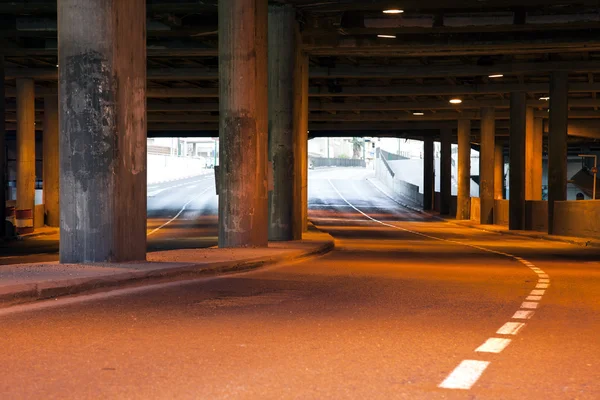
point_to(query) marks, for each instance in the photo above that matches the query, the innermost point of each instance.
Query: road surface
(397, 311)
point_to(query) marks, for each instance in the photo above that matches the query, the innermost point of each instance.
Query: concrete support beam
(445, 171)
(50, 159)
(301, 144)
(25, 155)
(463, 201)
(499, 170)
(428, 174)
(518, 111)
(282, 60)
(557, 142)
(533, 156)
(486, 165)
(102, 130)
(3, 166)
(243, 125)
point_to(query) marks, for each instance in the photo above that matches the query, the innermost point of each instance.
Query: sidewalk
(29, 282)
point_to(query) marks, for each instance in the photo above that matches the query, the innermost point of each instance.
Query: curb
(29, 292)
(36, 234)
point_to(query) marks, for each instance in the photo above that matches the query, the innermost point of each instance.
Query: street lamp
(594, 170)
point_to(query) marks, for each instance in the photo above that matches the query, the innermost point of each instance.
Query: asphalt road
(396, 311)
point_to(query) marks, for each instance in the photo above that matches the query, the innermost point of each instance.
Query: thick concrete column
(25, 155)
(445, 171)
(533, 156)
(301, 145)
(486, 165)
(282, 63)
(243, 123)
(499, 171)
(518, 110)
(463, 201)
(102, 80)
(428, 174)
(557, 142)
(51, 160)
(3, 168)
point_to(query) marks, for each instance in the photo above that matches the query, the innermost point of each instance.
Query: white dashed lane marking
(493, 345)
(510, 328)
(465, 375)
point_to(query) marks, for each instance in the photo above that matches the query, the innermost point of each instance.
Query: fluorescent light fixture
(455, 101)
(393, 11)
(418, 113)
(496, 76)
(387, 36)
(545, 98)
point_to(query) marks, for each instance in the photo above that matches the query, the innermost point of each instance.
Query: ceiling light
(387, 36)
(545, 98)
(418, 113)
(393, 11)
(455, 101)
(496, 76)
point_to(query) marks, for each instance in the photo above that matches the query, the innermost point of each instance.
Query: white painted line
(542, 286)
(493, 345)
(533, 298)
(538, 292)
(465, 375)
(529, 305)
(521, 314)
(510, 328)
(543, 280)
(544, 276)
(178, 214)
(539, 272)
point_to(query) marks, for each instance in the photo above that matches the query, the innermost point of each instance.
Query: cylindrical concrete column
(243, 123)
(533, 156)
(428, 173)
(102, 80)
(518, 110)
(50, 162)
(463, 200)
(3, 168)
(301, 145)
(557, 142)
(282, 63)
(445, 171)
(486, 165)
(499, 170)
(25, 155)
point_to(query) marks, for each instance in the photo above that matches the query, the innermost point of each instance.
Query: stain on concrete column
(102, 79)
(282, 57)
(486, 165)
(300, 223)
(25, 155)
(518, 111)
(3, 169)
(445, 171)
(243, 123)
(557, 142)
(428, 174)
(50, 160)
(499, 170)
(463, 201)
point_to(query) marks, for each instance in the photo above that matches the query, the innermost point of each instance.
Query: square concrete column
(301, 145)
(428, 174)
(25, 156)
(533, 156)
(243, 123)
(3, 168)
(499, 170)
(282, 70)
(102, 92)
(487, 165)
(557, 142)
(518, 111)
(445, 171)
(50, 160)
(463, 201)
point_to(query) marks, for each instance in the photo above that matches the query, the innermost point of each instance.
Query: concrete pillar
(243, 123)
(486, 165)
(557, 142)
(102, 130)
(518, 110)
(499, 171)
(463, 201)
(51, 160)
(428, 174)
(301, 145)
(3, 168)
(445, 171)
(533, 156)
(25, 155)
(194, 150)
(282, 63)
